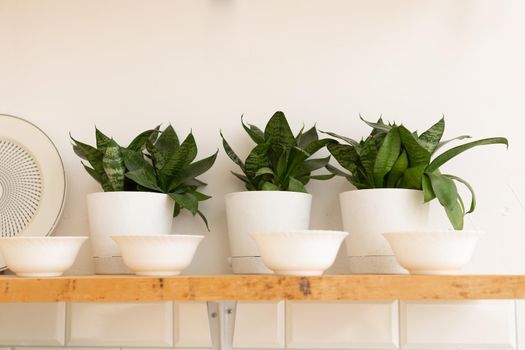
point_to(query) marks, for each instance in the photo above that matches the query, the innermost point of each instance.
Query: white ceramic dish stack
(40, 256)
(300, 252)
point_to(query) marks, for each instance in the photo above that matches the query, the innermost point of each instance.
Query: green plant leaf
(156, 156)
(417, 154)
(321, 177)
(268, 186)
(387, 156)
(295, 185)
(198, 168)
(187, 201)
(296, 158)
(345, 155)
(140, 140)
(311, 165)
(348, 140)
(336, 171)
(453, 152)
(145, 177)
(181, 157)
(241, 177)
(469, 187)
(315, 146)
(101, 178)
(258, 158)
(308, 138)
(114, 166)
(368, 158)
(282, 164)
(428, 192)
(264, 171)
(443, 143)
(231, 154)
(200, 196)
(379, 126)
(256, 134)
(455, 215)
(398, 169)
(445, 189)
(430, 139)
(413, 178)
(278, 131)
(203, 217)
(89, 153)
(102, 140)
(133, 160)
(168, 142)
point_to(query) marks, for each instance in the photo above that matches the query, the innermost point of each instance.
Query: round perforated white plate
(32, 180)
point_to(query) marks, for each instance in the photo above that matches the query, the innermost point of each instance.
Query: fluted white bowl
(40, 256)
(299, 252)
(158, 255)
(438, 252)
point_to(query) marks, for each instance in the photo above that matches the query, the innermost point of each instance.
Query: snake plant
(279, 161)
(154, 161)
(394, 157)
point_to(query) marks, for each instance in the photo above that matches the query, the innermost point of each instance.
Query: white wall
(129, 65)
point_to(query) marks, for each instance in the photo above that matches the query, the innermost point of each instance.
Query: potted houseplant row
(396, 173)
(275, 175)
(145, 185)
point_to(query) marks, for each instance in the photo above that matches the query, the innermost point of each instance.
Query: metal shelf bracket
(221, 316)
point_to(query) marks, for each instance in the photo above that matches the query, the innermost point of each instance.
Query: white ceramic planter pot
(367, 214)
(124, 213)
(433, 252)
(262, 211)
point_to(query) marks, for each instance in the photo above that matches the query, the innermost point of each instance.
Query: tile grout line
(398, 324)
(516, 327)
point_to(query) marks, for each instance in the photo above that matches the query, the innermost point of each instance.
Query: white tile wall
(121, 324)
(259, 325)
(479, 325)
(32, 323)
(339, 325)
(191, 324)
(476, 325)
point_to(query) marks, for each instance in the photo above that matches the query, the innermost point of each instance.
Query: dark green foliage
(280, 161)
(153, 162)
(394, 157)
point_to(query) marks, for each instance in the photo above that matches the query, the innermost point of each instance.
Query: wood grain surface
(260, 287)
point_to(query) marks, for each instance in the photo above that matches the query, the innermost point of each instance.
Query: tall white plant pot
(262, 211)
(367, 214)
(124, 213)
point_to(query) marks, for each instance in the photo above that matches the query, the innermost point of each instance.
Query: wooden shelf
(260, 287)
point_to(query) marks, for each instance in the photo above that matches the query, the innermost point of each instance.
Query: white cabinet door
(259, 325)
(337, 325)
(32, 323)
(475, 325)
(192, 328)
(121, 324)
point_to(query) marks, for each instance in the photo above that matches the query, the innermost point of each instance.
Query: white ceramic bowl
(158, 255)
(439, 252)
(40, 256)
(299, 253)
